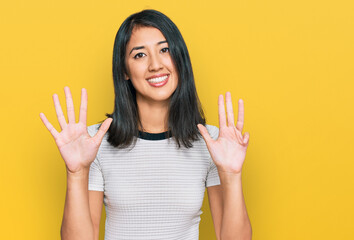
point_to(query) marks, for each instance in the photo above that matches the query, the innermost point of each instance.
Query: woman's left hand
(229, 150)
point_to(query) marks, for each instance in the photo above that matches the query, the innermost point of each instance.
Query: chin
(162, 97)
(162, 94)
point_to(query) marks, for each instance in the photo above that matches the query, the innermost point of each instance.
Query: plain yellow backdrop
(290, 61)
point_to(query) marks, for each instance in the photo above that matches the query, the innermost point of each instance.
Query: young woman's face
(149, 65)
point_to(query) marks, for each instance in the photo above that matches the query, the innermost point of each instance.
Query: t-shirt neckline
(154, 136)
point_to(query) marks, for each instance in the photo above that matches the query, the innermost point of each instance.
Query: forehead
(144, 36)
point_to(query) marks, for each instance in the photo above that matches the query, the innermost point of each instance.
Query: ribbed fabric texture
(155, 190)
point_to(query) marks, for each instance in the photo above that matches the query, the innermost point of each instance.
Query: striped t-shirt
(154, 190)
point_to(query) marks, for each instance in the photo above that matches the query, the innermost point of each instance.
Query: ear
(126, 76)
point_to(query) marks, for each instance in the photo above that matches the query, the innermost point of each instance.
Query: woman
(151, 168)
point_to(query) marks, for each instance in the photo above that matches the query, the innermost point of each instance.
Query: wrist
(82, 173)
(229, 178)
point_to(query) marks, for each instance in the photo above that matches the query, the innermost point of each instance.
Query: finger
(59, 111)
(69, 105)
(83, 107)
(205, 134)
(102, 130)
(229, 109)
(222, 117)
(239, 135)
(240, 116)
(246, 138)
(49, 126)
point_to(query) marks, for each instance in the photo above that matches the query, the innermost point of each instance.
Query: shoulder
(213, 131)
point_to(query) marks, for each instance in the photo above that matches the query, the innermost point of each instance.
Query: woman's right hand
(76, 146)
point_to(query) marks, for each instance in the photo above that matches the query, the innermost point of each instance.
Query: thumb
(205, 134)
(246, 138)
(102, 130)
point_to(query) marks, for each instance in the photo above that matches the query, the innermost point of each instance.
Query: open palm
(76, 146)
(229, 150)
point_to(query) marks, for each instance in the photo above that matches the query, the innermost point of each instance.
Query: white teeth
(159, 79)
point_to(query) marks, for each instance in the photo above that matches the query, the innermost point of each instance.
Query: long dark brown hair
(185, 110)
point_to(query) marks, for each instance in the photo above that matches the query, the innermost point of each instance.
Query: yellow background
(290, 61)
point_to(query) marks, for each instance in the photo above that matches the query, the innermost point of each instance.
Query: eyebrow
(141, 47)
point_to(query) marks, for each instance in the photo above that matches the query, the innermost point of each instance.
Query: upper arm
(96, 187)
(216, 207)
(96, 204)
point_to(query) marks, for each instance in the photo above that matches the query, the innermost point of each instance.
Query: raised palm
(229, 150)
(76, 146)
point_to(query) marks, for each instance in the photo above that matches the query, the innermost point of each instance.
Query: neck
(153, 116)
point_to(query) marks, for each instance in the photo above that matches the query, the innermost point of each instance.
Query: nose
(155, 63)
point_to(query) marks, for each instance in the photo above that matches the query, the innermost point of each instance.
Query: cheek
(175, 72)
(169, 63)
(137, 70)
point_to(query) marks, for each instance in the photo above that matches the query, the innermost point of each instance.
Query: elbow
(62, 233)
(245, 233)
(248, 235)
(66, 234)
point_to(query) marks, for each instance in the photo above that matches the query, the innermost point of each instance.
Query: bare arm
(77, 222)
(235, 221)
(83, 208)
(228, 153)
(216, 207)
(96, 204)
(78, 150)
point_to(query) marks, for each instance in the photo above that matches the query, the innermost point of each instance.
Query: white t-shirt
(154, 190)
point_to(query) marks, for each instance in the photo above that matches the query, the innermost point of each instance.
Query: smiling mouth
(158, 79)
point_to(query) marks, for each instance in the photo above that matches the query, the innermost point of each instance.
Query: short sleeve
(96, 182)
(212, 178)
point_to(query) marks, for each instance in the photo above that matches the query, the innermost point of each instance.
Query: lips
(158, 80)
(157, 77)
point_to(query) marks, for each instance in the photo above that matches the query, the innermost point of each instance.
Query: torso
(155, 190)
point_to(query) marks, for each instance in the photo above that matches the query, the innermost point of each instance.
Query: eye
(139, 55)
(166, 49)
